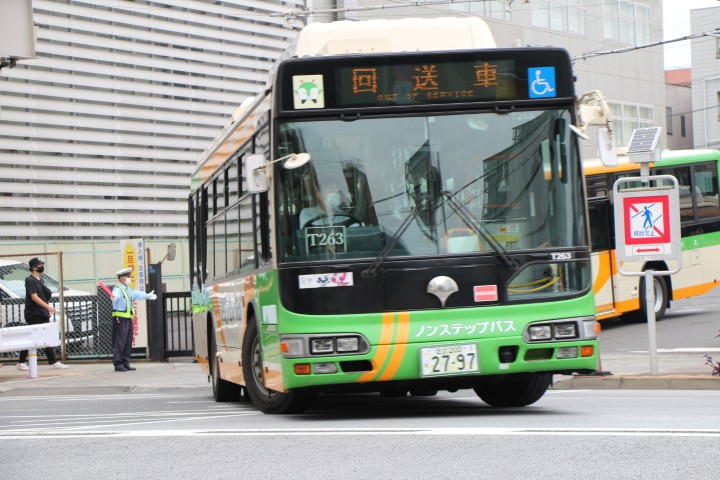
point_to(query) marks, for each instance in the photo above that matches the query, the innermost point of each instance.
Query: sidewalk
(631, 371)
(101, 377)
(622, 371)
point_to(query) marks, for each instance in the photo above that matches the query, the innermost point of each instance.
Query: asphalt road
(181, 432)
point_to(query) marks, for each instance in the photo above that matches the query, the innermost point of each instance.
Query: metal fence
(177, 313)
(87, 326)
(87, 332)
(83, 308)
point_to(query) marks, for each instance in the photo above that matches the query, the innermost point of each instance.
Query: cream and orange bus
(623, 296)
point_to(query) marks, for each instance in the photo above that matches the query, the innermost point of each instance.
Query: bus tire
(514, 393)
(264, 399)
(661, 301)
(223, 391)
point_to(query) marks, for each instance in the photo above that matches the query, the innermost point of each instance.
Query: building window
(628, 22)
(497, 9)
(682, 126)
(566, 16)
(627, 117)
(669, 120)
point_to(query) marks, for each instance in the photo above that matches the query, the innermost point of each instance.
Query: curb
(637, 382)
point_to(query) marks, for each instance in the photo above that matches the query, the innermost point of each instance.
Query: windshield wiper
(371, 270)
(476, 226)
(465, 215)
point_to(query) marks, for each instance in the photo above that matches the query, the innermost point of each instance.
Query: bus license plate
(449, 360)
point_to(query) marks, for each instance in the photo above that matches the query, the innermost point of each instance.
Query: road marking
(679, 350)
(118, 396)
(622, 432)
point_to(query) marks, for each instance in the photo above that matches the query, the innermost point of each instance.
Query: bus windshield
(466, 183)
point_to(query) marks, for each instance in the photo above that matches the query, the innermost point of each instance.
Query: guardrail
(29, 337)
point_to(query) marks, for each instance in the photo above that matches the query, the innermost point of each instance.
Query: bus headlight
(299, 345)
(322, 345)
(581, 328)
(565, 330)
(540, 332)
(348, 344)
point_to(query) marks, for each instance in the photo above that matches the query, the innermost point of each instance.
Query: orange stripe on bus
(383, 348)
(604, 272)
(401, 339)
(693, 291)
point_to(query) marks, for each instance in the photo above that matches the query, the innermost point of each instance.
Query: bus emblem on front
(442, 287)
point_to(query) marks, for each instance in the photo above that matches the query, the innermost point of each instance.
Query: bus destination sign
(386, 81)
(425, 83)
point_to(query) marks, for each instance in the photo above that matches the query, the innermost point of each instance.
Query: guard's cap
(124, 272)
(35, 262)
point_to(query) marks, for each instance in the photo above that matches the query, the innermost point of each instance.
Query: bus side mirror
(255, 174)
(592, 109)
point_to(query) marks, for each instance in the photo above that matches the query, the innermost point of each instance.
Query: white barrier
(29, 337)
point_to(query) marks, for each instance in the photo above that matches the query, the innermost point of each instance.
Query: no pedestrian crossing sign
(647, 224)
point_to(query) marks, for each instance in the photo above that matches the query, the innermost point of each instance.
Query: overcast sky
(676, 24)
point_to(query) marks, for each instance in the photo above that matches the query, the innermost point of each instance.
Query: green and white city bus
(401, 211)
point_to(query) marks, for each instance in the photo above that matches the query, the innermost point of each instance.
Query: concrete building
(99, 134)
(705, 54)
(678, 113)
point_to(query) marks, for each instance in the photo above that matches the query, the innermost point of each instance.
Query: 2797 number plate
(449, 360)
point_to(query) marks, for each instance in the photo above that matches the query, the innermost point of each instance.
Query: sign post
(647, 224)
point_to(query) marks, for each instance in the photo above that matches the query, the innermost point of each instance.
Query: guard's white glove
(152, 296)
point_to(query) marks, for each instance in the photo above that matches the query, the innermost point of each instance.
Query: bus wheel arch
(264, 399)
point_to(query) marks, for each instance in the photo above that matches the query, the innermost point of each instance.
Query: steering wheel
(351, 219)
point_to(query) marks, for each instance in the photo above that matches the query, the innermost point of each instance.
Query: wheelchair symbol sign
(541, 82)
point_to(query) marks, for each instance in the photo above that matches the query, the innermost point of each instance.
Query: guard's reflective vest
(128, 313)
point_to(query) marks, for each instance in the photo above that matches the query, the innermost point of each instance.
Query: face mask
(40, 269)
(127, 281)
(332, 200)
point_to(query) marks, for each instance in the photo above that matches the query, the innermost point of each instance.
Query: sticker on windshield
(322, 280)
(541, 82)
(308, 92)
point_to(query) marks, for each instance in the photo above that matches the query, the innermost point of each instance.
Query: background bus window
(686, 196)
(599, 226)
(706, 191)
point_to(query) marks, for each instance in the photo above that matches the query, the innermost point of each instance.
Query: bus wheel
(223, 391)
(264, 399)
(661, 301)
(515, 393)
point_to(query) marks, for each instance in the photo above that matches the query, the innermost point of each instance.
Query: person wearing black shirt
(38, 310)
